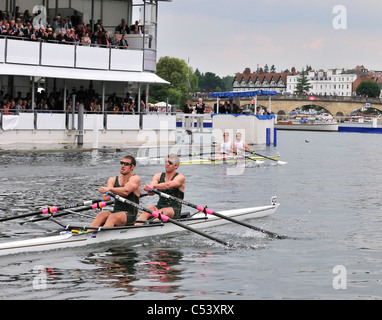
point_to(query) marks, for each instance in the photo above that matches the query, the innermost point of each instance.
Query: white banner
(10, 122)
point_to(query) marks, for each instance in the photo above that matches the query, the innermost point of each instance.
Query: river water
(330, 207)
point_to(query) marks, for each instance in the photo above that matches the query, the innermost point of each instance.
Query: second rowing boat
(226, 159)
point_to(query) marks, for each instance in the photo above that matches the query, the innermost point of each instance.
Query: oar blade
(222, 216)
(266, 157)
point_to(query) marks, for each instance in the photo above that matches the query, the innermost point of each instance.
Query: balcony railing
(47, 54)
(53, 121)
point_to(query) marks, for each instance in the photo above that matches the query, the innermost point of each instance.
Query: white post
(33, 93)
(95, 131)
(269, 104)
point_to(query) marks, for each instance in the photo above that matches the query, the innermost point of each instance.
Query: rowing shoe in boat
(77, 236)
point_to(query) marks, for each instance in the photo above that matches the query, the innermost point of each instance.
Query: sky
(225, 37)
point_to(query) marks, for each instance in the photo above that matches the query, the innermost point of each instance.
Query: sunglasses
(169, 162)
(125, 163)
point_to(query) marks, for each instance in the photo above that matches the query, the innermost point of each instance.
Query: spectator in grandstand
(86, 41)
(19, 32)
(135, 28)
(115, 39)
(67, 23)
(56, 24)
(28, 31)
(123, 43)
(122, 27)
(99, 35)
(61, 37)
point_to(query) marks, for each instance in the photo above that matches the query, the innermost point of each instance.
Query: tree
(303, 85)
(369, 88)
(181, 77)
(210, 82)
(273, 69)
(228, 83)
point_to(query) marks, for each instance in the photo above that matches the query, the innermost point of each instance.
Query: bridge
(283, 105)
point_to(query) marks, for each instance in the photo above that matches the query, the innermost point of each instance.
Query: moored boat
(306, 126)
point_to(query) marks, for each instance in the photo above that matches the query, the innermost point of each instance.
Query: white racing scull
(75, 236)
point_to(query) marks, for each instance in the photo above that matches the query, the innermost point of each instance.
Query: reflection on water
(129, 271)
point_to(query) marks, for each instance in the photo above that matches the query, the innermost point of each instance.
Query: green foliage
(303, 85)
(369, 88)
(181, 77)
(183, 81)
(210, 82)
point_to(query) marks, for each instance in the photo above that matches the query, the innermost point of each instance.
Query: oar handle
(98, 205)
(50, 210)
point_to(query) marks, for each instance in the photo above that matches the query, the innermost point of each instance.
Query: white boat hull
(68, 239)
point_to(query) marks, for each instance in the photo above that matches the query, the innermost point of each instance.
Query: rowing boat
(76, 235)
(211, 160)
(227, 160)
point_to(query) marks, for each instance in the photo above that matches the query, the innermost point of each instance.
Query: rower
(225, 148)
(127, 185)
(240, 146)
(169, 182)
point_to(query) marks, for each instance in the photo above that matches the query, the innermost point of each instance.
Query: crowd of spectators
(54, 102)
(68, 30)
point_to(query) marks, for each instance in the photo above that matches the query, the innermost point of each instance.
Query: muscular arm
(133, 185)
(178, 182)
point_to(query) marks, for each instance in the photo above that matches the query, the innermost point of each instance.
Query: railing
(56, 120)
(76, 55)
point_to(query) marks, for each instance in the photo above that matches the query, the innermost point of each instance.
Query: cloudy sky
(225, 37)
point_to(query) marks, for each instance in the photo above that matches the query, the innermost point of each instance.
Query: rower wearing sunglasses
(127, 185)
(170, 182)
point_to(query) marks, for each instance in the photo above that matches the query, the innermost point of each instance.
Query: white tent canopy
(80, 74)
(162, 104)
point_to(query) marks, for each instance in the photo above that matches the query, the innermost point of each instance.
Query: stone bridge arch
(336, 106)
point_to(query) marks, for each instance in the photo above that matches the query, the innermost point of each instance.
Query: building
(272, 81)
(333, 82)
(57, 66)
(28, 65)
(364, 74)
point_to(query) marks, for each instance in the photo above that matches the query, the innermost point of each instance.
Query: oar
(98, 205)
(246, 157)
(209, 211)
(54, 209)
(179, 155)
(165, 218)
(278, 161)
